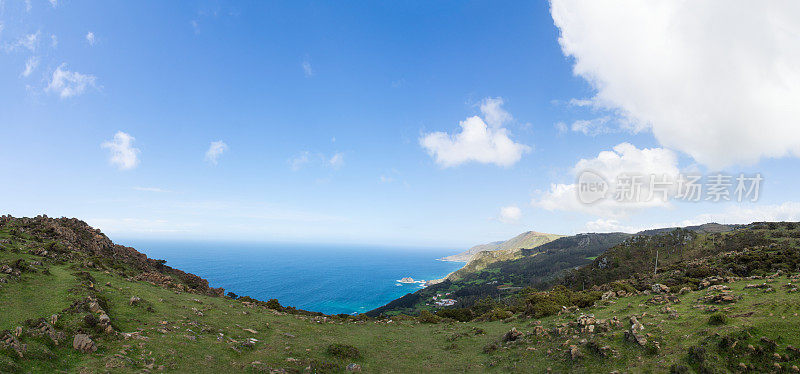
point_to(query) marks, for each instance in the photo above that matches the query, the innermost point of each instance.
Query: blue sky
(323, 111)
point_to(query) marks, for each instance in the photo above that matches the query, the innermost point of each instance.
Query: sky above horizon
(442, 124)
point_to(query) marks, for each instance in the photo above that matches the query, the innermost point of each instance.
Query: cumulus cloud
(624, 160)
(510, 214)
(718, 80)
(123, 155)
(30, 66)
(215, 150)
(69, 83)
(482, 140)
(90, 38)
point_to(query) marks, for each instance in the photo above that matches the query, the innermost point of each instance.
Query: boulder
(659, 288)
(354, 367)
(18, 331)
(94, 307)
(135, 300)
(635, 337)
(512, 335)
(83, 343)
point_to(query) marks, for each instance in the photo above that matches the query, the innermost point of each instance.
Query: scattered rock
(512, 335)
(635, 337)
(575, 352)
(18, 331)
(659, 288)
(135, 300)
(10, 341)
(83, 343)
(251, 331)
(354, 367)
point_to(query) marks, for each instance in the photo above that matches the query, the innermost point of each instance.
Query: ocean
(323, 278)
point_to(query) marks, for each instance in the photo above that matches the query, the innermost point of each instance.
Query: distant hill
(529, 239)
(507, 250)
(467, 255)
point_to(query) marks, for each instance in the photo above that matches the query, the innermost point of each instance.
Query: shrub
(496, 314)
(458, 314)
(274, 304)
(697, 354)
(543, 304)
(678, 369)
(233, 295)
(717, 319)
(428, 317)
(343, 351)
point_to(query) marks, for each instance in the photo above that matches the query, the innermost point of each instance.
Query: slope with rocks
(724, 302)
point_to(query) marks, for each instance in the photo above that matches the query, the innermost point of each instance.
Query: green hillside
(72, 301)
(508, 250)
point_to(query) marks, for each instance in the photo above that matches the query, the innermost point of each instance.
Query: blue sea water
(325, 278)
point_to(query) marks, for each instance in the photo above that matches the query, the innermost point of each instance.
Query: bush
(697, 354)
(543, 304)
(717, 319)
(233, 295)
(496, 314)
(428, 317)
(274, 304)
(459, 314)
(343, 351)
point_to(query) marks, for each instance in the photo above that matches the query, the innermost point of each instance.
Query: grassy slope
(189, 342)
(405, 346)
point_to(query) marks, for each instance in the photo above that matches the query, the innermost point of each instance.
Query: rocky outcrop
(83, 343)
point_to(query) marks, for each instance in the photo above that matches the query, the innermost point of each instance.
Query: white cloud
(561, 127)
(123, 155)
(90, 38)
(788, 211)
(304, 158)
(307, 69)
(215, 150)
(493, 112)
(337, 160)
(28, 5)
(510, 214)
(610, 225)
(736, 214)
(592, 127)
(30, 66)
(624, 159)
(54, 3)
(297, 162)
(53, 40)
(69, 83)
(719, 80)
(28, 41)
(482, 140)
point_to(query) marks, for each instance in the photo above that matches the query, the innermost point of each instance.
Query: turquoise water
(326, 278)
